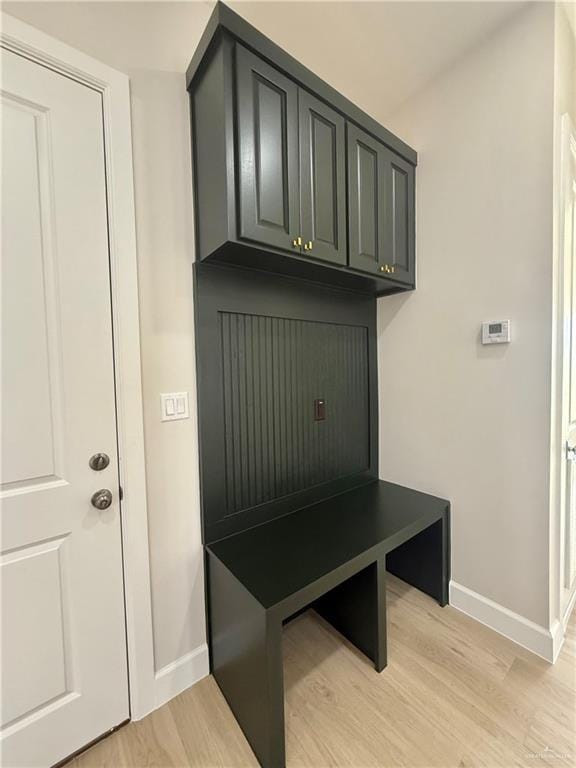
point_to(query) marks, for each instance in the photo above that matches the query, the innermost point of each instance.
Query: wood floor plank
(107, 753)
(153, 742)
(209, 732)
(552, 736)
(454, 695)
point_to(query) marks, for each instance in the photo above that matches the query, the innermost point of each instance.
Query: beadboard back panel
(286, 395)
(274, 372)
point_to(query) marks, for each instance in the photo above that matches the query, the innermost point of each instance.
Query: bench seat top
(276, 560)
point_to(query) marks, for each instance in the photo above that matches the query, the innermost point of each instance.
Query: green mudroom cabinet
(304, 213)
(291, 177)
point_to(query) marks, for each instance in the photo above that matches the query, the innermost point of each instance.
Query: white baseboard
(557, 632)
(192, 667)
(181, 674)
(526, 633)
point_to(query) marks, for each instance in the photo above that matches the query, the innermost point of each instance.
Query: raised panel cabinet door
(322, 180)
(367, 201)
(268, 153)
(401, 229)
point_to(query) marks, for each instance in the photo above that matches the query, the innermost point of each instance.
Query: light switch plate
(174, 406)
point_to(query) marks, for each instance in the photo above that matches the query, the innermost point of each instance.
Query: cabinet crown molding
(226, 21)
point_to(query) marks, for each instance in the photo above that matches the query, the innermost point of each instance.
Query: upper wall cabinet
(380, 208)
(292, 193)
(289, 176)
(322, 179)
(268, 166)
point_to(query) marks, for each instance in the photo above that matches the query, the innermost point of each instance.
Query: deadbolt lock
(99, 461)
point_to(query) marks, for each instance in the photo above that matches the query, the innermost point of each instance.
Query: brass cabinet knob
(382, 268)
(392, 269)
(308, 245)
(297, 242)
(386, 268)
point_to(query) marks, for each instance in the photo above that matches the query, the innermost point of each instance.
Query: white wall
(458, 419)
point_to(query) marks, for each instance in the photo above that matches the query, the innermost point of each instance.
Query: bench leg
(424, 560)
(246, 661)
(357, 609)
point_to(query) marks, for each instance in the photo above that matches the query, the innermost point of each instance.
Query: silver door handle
(101, 499)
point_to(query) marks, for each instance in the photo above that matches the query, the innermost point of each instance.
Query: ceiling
(376, 53)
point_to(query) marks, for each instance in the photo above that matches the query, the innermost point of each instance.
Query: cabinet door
(401, 232)
(380, 209)
(322, 180)
(367, 191)
(267, 106)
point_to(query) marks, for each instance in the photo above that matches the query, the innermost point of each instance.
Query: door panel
(401, 201)
(63, 633)
(268, 148)
(32, 580)
(35, 401)
(322, 179)
(367, 202)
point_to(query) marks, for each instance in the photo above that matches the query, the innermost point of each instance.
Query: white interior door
(64, 669)
(568, 246)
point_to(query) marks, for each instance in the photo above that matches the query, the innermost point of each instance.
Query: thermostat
(496, 332)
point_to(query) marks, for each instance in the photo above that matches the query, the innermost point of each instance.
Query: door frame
(561, 604)
(114, 87)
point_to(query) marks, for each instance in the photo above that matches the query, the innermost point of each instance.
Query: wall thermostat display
(496, 332)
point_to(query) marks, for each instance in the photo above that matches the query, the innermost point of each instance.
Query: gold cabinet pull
(297, 242)
(308, 245)
(386, 268)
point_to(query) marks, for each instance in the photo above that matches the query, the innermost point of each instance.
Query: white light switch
(174, 406)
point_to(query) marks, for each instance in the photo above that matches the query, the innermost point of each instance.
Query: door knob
(99, 461)
(101, 499)
(570, 452)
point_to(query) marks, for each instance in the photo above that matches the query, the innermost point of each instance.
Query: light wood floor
(454, 694)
